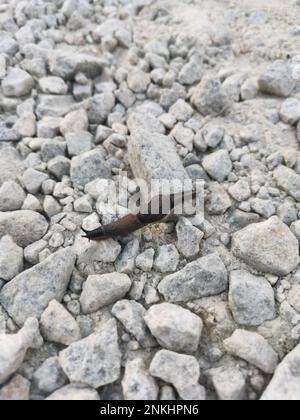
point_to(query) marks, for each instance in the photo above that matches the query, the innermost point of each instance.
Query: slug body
(123, 227)
(130, 223)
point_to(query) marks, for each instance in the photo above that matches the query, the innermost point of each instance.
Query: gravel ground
(188, 310)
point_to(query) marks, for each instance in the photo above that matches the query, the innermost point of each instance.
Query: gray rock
(153, 156)
(66, 65)
(103, 290)
(17, 83)
(191, 72)
(104, 251)
(95, 360)
(79, 142)
(83, 204)
(26, 125)
(251, 299)
(131, 315)
(288, 180)
(8, 134)
(167, 259)
(277, 80)
(144, 121)
(24, 226)
(188, 238)
(126, 261)
(53, 85)
(89, 166)
(229, 383)
(240, 191)
(8, 45)
(145, 260)
(138, 81)
(54, 105)
(74, 122)
(11, 258)
(12, 196)
(293, 297)
(58, 325)
(10, 164)
(181, 110)
(137, 383)
(52, 148)
(51, 206)
(30, 292)
(253, 348)
(49, 377)
(33, 179)
(264, 208)
(31, 252)
(100, 106)
(16, 389)
(285, 384)
(174, 328)
(205, 277)
(218, 165)
(59, 166)
(210, 98)
(290, 111)
(213, 136)
(182, 371)
(15, 346)
(183, 136)
(269, 247)
(74, 392)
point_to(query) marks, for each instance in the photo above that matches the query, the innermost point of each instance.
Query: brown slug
(130, 223)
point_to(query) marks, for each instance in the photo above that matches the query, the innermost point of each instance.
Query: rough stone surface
(210, 98)
(253, 348)
(269, 247)
(95, 360)
(205, 277)
(74, 392)
(251, 299)
(12, 196)
(17, 83)
(11, 258)
(87, 167)
(17, 389)
(285, 385)
(15, 346)
(58, 325)
(174, 328)
(229, 383)
(277, 79)
(153, 156)
(30, 292)
(131, 315)
(24, 226)
(137, 383)
(182, 371)
(100, 291)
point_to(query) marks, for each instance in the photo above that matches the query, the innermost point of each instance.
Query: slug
(129, 224)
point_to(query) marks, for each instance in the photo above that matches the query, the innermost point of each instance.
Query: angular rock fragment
(277, 80)
(174, 328)
(15, 346)
(30, 292)
(206, 276)
(269, 247)
(137, 383)
(95, 360)
(253, 348)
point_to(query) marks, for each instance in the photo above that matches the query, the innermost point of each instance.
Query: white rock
(74, 392)
(103, 290)
(218, 165)
(17, 83)
(137, 383)
(229, 383)
(174, 328)
(15, 346)
(11, 258)
(182, 371)
(253, 348)
(285, 384)
(58, 325)
(167, 259)
(269, 247)
(95, 360)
